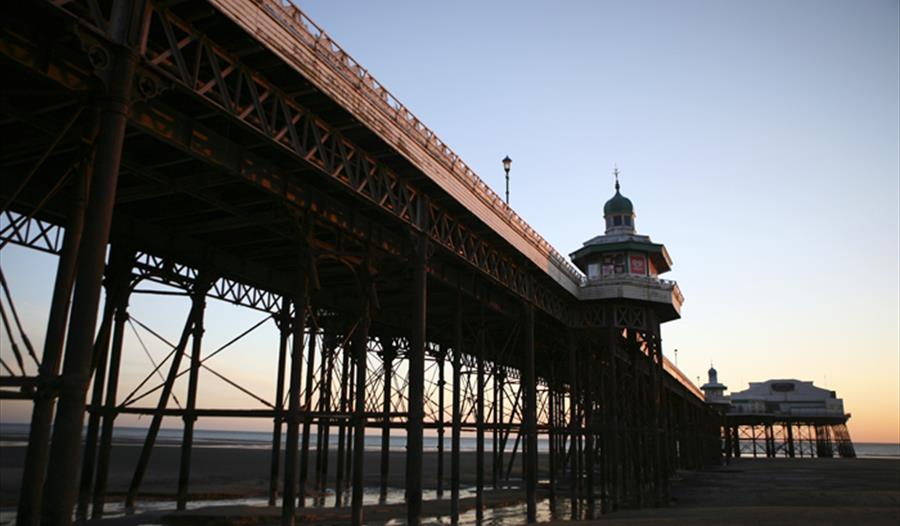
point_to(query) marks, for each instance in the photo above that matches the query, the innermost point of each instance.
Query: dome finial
(616, 174)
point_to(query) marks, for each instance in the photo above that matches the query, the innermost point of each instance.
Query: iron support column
(200, 288)
(348, 451)
(117, 290)
(307, 409)
(573, 425)
(496, 421)
(360, 348)
(479, 423)
(342, 426)
(388, 354)
(109, 409)
(416, 407)
(284, 332)
(289, 490)
(37, 451)
(89, 453)
(127, 30)
(187, 439)
(323, 438)
(456, 417)
(551, 436)
(440, 429)
(500, 419)
(589, 433)
(790, 438)
(530, 417)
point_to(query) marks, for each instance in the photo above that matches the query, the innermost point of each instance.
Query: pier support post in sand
(37, 451)
(455, 415)
(360, 350)
(89, 452)
(109, 408)
(323, 428)
(127, 31)
(342, 424)
(416, 402)
(501, 415)
(187, 439)
(284, 331)
(351, 429)
(201, 286)
(479, 423)
(117, 285)
(496, 421)
(551, 435)
(589, 431)
(530, 388)
(388, 353)
(441, 358)
(289, 491)
(790, 439)
(573, 425)
(311, 345)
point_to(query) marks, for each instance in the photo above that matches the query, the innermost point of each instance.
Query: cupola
(618, 212)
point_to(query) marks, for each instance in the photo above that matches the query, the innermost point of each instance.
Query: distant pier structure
(783, 417)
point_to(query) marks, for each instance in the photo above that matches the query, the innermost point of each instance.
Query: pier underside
(158, 149)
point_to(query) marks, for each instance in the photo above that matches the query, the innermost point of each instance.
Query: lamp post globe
(507, 164)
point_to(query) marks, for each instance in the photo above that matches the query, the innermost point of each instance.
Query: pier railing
(292, 19)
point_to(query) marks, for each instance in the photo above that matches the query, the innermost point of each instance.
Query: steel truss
(395, 308)
(803, 437)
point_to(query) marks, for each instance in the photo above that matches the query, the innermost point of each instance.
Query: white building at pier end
(787, 397)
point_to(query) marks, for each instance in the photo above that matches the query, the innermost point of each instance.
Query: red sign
(638, 265)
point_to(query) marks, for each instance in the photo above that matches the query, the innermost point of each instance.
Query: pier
(231, 150)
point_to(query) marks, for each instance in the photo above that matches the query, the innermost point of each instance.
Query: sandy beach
(748, 491)
(225, 472)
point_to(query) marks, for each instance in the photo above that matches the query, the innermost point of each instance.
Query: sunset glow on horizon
(759, 141)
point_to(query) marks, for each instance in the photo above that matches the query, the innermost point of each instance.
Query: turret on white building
(713, 391)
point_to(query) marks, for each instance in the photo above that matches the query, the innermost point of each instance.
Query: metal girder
(192, 61)
(32, 233)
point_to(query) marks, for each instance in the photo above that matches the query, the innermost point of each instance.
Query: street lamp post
(507, 163)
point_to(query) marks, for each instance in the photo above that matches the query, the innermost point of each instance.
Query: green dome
(619, 204)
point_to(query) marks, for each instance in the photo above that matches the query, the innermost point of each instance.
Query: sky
(759, 141)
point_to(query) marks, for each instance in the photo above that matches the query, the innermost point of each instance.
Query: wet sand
(778, 492)
(749, 491)
(225, 472)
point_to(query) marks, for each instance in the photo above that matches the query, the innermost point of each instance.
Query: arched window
(617, 220)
